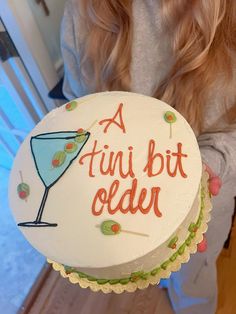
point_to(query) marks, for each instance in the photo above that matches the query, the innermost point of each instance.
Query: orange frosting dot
(22, 194)
(69, 145)
(115, 228)
(80, 130)
(55, 162)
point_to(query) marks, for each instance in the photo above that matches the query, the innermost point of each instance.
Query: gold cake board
(162, 274)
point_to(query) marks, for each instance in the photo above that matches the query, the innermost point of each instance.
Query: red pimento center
(55, 162)
(22, 194)
(69, 146)
(80, 130)
(68, 106)
(115, 228)
(169, 118)
(173, 246)
(135, 278)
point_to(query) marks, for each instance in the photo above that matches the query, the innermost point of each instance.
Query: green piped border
(141, 275)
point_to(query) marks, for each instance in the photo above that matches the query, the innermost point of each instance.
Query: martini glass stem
(41, 208)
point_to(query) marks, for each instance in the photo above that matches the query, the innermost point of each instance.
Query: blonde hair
(203, 38)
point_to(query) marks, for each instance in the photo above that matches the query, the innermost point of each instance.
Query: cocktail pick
(111, 227)
(94, 122)
(23, 189)
(81, 131)
(70, 106)
(170, 118)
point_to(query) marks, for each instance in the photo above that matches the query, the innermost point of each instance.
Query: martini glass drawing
(53, 154)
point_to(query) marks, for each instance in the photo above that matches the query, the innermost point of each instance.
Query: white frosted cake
(109, 185)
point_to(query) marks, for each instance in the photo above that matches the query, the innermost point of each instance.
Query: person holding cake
(182, 53)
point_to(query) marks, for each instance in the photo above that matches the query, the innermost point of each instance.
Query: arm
(73, 87)
(218, 151)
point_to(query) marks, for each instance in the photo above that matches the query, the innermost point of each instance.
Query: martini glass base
(37, 224)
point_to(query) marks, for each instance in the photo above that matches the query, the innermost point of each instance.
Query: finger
(202, 246)
(215, 185)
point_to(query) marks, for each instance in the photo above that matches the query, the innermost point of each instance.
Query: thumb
(214, 181)
(202, 246)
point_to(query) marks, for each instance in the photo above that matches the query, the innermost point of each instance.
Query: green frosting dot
(58, 159)
(71, 105)
(70, 147)
(192, 227)
(102, 281)
(114, 281)
(136, 276)
(80, 138)
(192, 235)
(82, 275)
(137, 273)
(170, 117)
(110, 227)
(165, 264)
(124, 281)
(145, 276)
(155, 271)
(174, 256)
(172, 243)
(68, 269)
(23, 190)
(188, 241)
(181, 249)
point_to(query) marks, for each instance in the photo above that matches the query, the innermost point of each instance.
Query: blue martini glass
(43, 147)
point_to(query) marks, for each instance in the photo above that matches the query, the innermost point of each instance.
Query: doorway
(27, 75)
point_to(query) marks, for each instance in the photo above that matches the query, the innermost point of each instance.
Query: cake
(109, 187)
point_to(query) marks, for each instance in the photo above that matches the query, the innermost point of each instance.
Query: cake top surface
(105, 179)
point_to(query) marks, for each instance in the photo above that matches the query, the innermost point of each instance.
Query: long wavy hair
(202, 34)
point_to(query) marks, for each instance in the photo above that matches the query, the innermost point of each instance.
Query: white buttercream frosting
(76, 240)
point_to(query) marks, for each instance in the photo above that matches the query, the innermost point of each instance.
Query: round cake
(109, 186)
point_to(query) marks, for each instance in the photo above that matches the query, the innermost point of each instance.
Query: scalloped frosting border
(141, 279)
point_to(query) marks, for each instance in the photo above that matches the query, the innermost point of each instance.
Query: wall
(49, 27)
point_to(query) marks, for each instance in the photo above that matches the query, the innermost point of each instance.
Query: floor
(20, 263)
(57, 295)
(226, 265)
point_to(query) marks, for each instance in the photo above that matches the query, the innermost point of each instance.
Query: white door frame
(22, 28)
